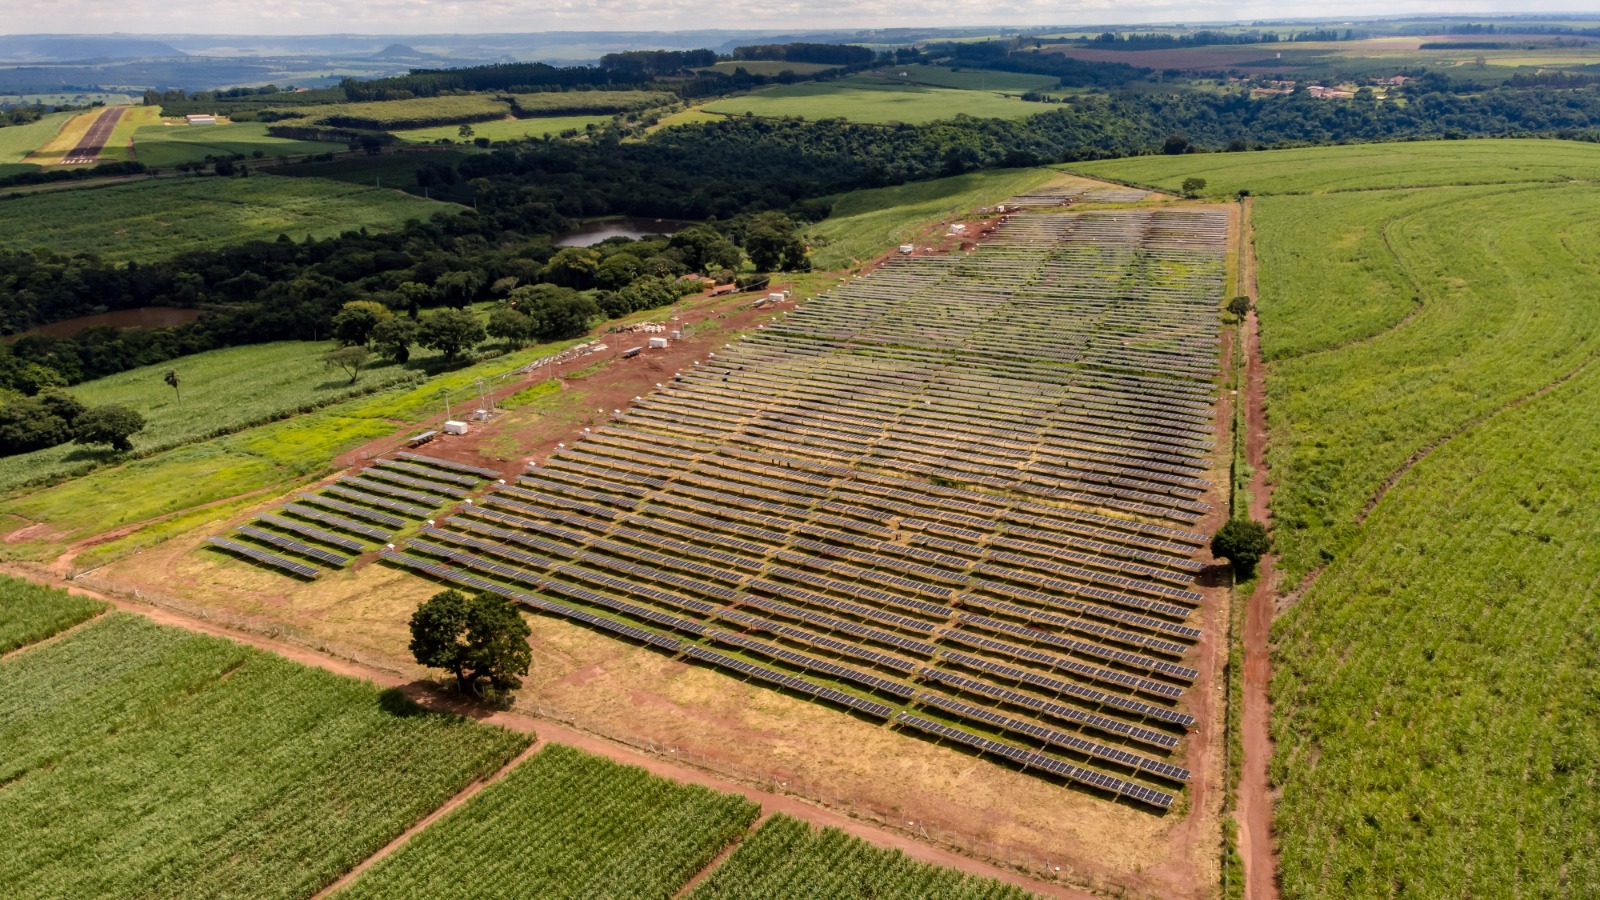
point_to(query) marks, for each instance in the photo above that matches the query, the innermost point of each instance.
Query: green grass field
(872, 101)
(391, 114)
(788, 858)
(30, 613)
(866, 223)
(969, 79)
(1361, 167)
(165, 146)
(155, 219)
(505, 129)
(565, 824)
(17, 141)
(144, 761)
(223, 391)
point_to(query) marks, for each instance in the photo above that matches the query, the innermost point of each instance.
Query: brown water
(143, 317)
(593, 233)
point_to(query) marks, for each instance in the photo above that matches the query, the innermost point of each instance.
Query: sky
(421, 17)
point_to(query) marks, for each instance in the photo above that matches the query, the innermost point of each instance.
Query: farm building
(199, 119)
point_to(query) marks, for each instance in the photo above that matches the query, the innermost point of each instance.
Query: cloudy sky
(264, 17)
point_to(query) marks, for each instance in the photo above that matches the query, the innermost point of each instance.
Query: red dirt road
(426, 695)
(1255, 793)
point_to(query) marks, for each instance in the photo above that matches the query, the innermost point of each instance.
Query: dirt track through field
(425, 694)
(94, 140)
(1255, 796)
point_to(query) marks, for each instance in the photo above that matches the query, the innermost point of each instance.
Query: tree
(511, 326)
(1192, 186)
(1242, 542)
(573, 267)
(1175, 145)
(773, 244)
(477, 639)
(393, 337)
(1239, 305)
(459, 289)
(464, 132)
(449, 331)
(348, 360)
(355, 321)
(108, 424)
(171, 378)
(555, 313)
(38, 422)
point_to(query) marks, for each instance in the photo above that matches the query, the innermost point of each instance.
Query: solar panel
(894, 688)
(428, 487)
(340, 522)
(430, 474)
(1072, 714)
(327, 537)
(1057, 738)
(447, 464)
(415, 512)
(262, 556)
(359, 512)
(294, 546)
(762, 673)
(430, 501)
(1040, 761)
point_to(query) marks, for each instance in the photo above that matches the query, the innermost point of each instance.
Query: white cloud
(421, 17)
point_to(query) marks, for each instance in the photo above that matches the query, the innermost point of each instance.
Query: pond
(143, 317)
(592, 233)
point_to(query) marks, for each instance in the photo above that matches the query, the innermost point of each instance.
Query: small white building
(658, 343)
(454, 427)
(907, 249)
(200, 119)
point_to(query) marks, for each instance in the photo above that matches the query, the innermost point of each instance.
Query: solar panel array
(346, 516)
(955, 493)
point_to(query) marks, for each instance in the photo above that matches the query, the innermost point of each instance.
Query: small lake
(143, 317)
(625, 226)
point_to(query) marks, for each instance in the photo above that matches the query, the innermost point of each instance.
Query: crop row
(31, 613)
(160, 764)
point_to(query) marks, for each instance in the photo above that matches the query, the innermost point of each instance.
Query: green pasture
(145, 761)
(565, 824)
(505, 129)
(222, 391)
(1312, 170)
(872, 101)
(164, 146)
(969, 79)
(393, 114)
(588, 103)
(17, 141)
(788, 858)
(865, 224)
(154, 219)
(29, 612)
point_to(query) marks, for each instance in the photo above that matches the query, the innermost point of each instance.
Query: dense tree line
(1000, 57)
(822, 54)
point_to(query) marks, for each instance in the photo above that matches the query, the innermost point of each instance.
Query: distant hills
(72, 48)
